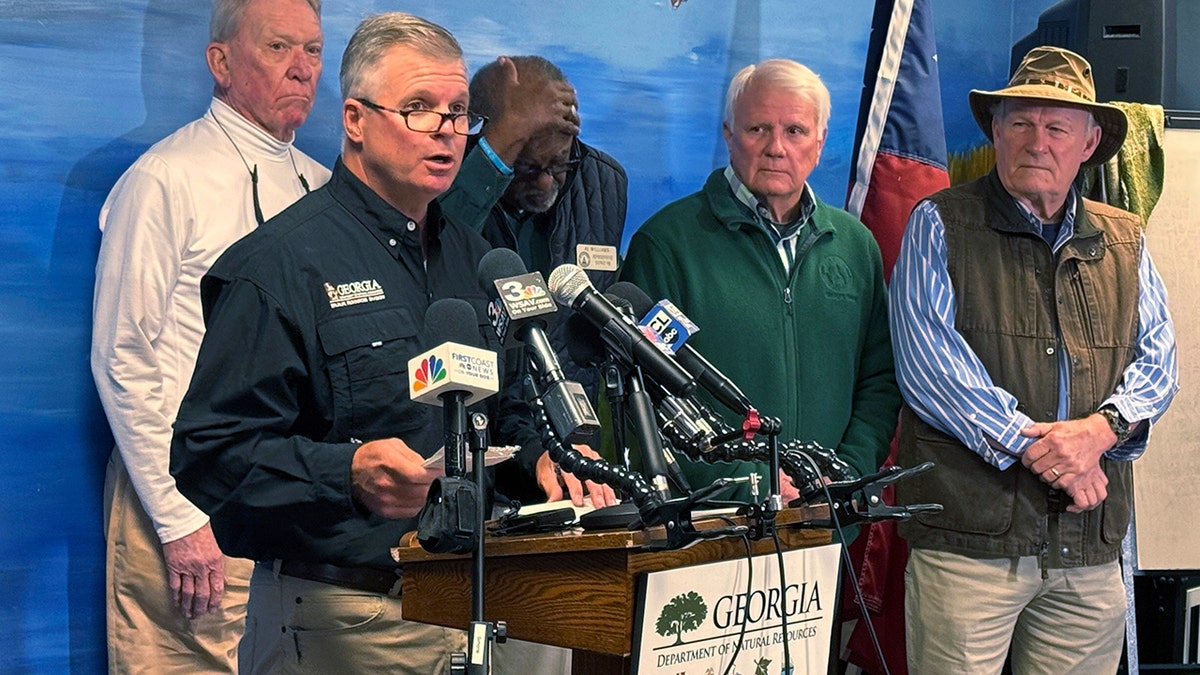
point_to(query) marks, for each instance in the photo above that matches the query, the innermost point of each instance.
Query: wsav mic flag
(901, 143)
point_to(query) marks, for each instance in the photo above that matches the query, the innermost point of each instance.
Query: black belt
(384, 582)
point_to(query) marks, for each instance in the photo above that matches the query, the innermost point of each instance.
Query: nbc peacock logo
(430, 373)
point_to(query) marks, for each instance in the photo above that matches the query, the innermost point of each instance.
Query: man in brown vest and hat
(1034, 350)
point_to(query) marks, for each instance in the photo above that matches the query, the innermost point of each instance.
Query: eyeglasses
(532, 172)
(431, 121)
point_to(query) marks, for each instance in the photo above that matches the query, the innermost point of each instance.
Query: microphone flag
(452, 367)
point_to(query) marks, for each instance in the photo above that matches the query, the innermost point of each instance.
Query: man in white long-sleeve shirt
(175, 603)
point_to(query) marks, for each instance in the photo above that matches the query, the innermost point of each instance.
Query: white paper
(494, 455)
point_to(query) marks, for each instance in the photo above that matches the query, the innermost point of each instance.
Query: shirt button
(1049, 350)
(1066, 551)
(411, 226)
(391, 242)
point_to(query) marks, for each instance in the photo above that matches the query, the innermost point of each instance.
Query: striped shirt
(945, 383)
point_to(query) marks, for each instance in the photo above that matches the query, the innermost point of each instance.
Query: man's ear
(1089, 148)
(352, 118)
(217, 57)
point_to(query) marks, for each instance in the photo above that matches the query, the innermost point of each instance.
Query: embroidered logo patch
(837, 277)
(353, 293)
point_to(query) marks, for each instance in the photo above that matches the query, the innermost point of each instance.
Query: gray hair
(379, 33)
(488, 85)
(227, 18)
(786, 74)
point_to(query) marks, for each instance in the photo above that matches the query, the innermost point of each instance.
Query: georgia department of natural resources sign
(691, 619)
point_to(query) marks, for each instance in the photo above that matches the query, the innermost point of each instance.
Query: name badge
(594, 257)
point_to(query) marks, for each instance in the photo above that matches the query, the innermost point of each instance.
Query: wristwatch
(1118, 424)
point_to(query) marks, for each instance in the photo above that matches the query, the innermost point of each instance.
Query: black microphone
(457, 369)
(658, 460)
(714, 381)
(571, 287)
(518, 303)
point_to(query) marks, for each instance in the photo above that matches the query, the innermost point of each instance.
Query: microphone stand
(481, 634)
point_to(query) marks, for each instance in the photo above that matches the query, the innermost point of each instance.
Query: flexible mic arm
(644, 496)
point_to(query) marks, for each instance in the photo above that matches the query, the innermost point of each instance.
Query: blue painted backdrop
(89, 84)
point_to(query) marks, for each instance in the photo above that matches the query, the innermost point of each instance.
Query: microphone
(516, 298)
(518, 303)
(571, 287)
(657, 459)
(454, 371)
(712, 380)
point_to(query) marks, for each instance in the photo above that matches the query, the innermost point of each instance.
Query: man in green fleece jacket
(788, 291)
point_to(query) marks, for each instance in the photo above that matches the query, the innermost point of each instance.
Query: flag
(901, 158)
(901, 143)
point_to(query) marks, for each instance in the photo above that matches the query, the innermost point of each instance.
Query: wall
(89, 84)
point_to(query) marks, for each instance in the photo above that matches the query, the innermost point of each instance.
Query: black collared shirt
(311, 320)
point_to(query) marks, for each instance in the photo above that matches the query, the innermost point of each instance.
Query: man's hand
(388, 478)
(788, 489)
(552, 481)
(196, 572)
(1087, 490)
(531, 107)
(1067, 456)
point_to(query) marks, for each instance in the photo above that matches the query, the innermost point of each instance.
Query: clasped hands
(1066, 455)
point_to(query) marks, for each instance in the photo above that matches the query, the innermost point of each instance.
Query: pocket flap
(343, 333)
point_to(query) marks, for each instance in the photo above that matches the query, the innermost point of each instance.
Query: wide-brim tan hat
(1056, 75)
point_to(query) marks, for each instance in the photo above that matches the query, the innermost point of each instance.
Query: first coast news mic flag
(901, 158)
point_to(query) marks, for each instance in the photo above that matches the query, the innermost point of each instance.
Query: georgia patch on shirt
(596, 257)
(353, 293)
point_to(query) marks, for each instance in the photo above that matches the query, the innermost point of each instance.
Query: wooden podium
(573, 589)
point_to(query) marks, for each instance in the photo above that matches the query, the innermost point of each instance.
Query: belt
(384, 582)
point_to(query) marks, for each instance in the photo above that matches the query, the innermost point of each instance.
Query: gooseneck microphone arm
(644, 496)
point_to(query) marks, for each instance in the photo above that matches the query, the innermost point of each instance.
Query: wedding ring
(1055, 472)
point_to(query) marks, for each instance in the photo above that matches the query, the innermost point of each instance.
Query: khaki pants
(962, 614)
(146, 631)
(296, 626)
(516, 657)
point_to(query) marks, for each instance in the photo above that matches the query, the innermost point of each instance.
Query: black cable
(737, 647)
(845, 557)
(787, 654)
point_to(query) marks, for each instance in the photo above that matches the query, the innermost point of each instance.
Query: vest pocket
(977, 498)
(1115, 510)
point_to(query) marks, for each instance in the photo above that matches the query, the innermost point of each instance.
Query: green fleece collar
(734, 215)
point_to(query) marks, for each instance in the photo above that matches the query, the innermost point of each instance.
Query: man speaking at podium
(297, 435)
(787, 291)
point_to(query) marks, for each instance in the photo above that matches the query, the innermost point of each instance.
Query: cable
(845, 557)
(787, 654)
(737, 647)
